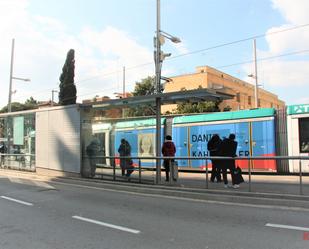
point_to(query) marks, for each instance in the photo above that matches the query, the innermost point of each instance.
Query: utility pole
(158, 100)
(52, 100)
(124, 82)
(11, 77)
(256, 95)
(123, 88)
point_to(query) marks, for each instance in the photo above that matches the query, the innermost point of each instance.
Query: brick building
(207, 77)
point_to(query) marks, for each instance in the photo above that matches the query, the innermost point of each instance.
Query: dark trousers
(167, 163)
(215, 171)
(231, 167)
(93, 166)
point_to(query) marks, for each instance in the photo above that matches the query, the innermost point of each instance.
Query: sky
(109, 35)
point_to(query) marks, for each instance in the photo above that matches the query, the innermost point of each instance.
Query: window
(303, 135)
(249, 100)
(238, 97)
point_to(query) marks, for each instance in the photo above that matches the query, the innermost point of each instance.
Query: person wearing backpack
(228, 149)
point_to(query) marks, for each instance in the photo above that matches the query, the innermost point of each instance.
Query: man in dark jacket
(3, 150)
(228, 149)
(168, 150)
(92, 152)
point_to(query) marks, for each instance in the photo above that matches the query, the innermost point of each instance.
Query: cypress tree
(67, 93)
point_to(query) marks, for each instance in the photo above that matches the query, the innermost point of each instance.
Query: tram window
(304, 135)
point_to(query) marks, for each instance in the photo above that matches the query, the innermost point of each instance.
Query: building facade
(210, 78)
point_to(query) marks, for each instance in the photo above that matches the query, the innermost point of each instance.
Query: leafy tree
(227, 108)
(29, 104)
(143, 88)
(67, 93)
(200, 107)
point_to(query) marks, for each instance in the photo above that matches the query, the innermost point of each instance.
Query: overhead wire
(82, 81)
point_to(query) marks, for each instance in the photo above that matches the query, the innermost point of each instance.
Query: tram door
(263, 144)
(181, 140)
(104, 150)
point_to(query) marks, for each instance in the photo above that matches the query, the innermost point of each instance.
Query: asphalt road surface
(62, 215)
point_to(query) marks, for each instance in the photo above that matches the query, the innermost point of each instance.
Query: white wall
(58, 139)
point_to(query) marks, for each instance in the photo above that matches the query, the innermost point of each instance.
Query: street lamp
(12, 78)
(159, 57)
(254, 76)
(52, 100)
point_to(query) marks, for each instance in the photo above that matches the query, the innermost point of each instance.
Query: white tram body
(298, 136)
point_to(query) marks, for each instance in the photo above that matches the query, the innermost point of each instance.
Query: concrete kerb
(234, 196)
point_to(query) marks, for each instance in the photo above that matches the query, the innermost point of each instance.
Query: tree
(29, 104)
(143, 88)
(67, 93)
(200, 107)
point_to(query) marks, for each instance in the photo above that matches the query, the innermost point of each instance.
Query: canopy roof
(166, 98)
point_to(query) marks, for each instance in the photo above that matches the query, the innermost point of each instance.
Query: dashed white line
(18, 201)
(129, 230)
(306, 229)
(43, 184)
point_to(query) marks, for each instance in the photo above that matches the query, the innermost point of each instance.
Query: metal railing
(18, 161)
(140, 169)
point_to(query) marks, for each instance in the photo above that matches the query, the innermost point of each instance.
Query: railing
(18, 161)
(140, 169)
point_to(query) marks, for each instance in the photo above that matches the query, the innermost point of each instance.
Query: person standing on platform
(125, 163)
(214, 148)
(168, 150)
(228, 149)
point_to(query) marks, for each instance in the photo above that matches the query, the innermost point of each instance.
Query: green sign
(18, 131)
(298, 109)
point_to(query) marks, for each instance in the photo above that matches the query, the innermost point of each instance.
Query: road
(54, 215)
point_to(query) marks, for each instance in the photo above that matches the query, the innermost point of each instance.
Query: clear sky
(108, 35)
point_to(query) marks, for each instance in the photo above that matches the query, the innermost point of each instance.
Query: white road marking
(16, 180)
(306, 229)
(129, 230)
(43, 184)
(30, 182)
(18, 201)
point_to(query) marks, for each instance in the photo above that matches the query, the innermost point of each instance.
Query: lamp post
(159, 57)
(12, 78)
(254, 76)
(10, 96)
(52, 100)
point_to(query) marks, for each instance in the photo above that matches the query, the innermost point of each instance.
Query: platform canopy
(192, 96)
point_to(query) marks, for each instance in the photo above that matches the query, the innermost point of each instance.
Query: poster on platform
(18, 131)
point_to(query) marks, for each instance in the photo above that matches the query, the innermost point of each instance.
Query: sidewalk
(268, 191)
(277, 184)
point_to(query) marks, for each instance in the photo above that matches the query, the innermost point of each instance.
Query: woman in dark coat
(214, 147)
(125, 163)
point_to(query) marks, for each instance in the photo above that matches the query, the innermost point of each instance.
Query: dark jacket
(228, 147)
(3, 148)
(168, 148)
(124, 149)
(214, 146)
